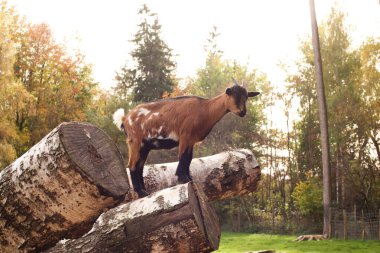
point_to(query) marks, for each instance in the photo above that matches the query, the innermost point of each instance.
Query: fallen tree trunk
(176, 219)
(59, 187)
(310, 238)
(222, 175)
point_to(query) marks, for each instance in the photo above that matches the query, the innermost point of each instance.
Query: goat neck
(216, 108)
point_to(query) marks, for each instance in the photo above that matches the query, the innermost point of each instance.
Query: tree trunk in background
(247, 211)
(222, 175)
(376, 144)
(337, 175)
(176, 219)
(343, 167)
(59, 187)
(322, 120)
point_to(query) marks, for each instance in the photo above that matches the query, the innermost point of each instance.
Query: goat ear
(253, 93)
(229, 91)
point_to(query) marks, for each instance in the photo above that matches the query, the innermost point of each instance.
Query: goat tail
(118, 118)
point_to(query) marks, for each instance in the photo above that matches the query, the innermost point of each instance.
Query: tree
(153, 74)
(12, 93)
(322, 120)
(41, 84)
(308, 198)
(61, 84)
(369, 87)
(231, 131)
(351, 79)
(100, 114)
(364, 179)
(213, 79)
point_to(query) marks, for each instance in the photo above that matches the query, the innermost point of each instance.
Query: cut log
(222, 175)
(59, 187)
(310, 238)
(176, 219)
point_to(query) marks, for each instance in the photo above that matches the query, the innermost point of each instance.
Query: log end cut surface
(204, 215)
(97, 157)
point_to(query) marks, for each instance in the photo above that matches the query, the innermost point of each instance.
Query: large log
(222, 175)
(176, 219)
(59, 187)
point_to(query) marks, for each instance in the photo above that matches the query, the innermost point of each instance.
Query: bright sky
(255, 32)
(260, 33)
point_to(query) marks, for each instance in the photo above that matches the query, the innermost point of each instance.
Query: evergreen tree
(212, 80)
(152, 76)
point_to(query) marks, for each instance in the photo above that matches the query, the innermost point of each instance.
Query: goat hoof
(142, 193)
(183, 179)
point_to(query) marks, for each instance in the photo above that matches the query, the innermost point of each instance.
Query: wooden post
(355, 222)
(330, 224)
(238, 219)
(177, 219)
(363, 226)
(344, 224)
(59, 187)
(379, 224)
(222, 175)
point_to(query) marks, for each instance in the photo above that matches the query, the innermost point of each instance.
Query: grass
(244, 242)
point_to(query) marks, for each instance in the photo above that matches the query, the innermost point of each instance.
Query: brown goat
(179, 121)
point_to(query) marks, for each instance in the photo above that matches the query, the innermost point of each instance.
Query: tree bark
(59, 187)
(222, 175)
(176, 219)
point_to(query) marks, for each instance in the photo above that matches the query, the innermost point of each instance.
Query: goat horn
(244, 84)
(233, 79)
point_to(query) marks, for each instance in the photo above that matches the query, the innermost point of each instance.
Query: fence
(354, 225)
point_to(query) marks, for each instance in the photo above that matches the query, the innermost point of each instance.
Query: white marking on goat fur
(143, 111)
(153, 115)
(152, 133)
(173, 136)
(130, 122)
(118, 117)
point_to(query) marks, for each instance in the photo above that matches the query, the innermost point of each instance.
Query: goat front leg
(136, 168)
(144, 152)
(137, 179)
(183, 169)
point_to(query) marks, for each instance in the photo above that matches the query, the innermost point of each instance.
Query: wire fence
(354, 224)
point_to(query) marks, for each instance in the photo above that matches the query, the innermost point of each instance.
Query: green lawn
(243, 242)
